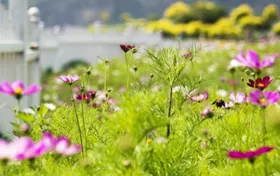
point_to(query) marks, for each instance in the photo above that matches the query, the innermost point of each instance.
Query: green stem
(105, 81)
(17, 110)
(264, 139)
(78, 123)
(169, 110)
(128, 63)
(85, 130)
(134, 81)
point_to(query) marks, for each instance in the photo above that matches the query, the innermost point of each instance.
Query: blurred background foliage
(211, 20)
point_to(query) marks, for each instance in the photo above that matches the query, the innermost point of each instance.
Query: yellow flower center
(261, 85)
(18, 91)
(262, 101)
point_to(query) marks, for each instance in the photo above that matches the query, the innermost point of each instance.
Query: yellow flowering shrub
(208, 12)
(276, 28)
(269, 15)
(179, 12)
(177, 9)
(165, 26)
(224, 28)
(270, 12)
(194, 28)
(250, 22)
(240, 12)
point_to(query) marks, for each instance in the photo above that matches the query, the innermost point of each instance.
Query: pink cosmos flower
(60, 145)
(63, 147)
(200, 97)
(69, 79)
(24, 148)
(17, 89)
(207, 112)
(251, 155)
(253, 61)
(260, 83)
(265, 98)
(238, 98)
(20, 149)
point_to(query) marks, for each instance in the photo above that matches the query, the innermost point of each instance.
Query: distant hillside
(83, 12)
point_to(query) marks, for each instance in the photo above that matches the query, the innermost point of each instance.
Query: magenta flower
(69, 79)
(20, 149)
(260, 83)
(238, 98)
(253, 61)
(265, 98)
(17, 89)
(60, 145)
(200, 97)
(207, 112)
(24, 148)
(63, 147)
(27, 149)
(251, 155)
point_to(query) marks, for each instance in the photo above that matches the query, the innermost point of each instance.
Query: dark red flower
(188, 55)
(90, 95)
(260, 83)
(127, 48)
(251, 155)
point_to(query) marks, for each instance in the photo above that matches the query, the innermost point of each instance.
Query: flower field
(166, 111)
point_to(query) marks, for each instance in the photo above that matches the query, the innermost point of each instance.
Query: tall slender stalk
(264, 138)
(170, 99)
(17, 110)
(106, 69)
(105, 80)
(128, 63)
(85, 130)
(79, 127)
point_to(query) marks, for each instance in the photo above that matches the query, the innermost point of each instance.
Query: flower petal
(263, 150)
(72, 150)
(253, 59)
(17, 84)
(255, 97)
(33, 88)
(236, 155)
(61, 145)
(269, 61)
(6, 88)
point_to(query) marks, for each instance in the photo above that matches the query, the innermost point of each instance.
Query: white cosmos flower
(50, 106)
(29, 111)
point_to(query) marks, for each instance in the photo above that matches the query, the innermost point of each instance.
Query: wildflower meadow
(154, 111)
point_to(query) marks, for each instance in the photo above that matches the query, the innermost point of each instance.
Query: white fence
(17, 60)
(71, 43)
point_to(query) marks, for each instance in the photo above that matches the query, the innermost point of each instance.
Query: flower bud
(89, 71)
(247, 72)
(106, 61)
(24, 129)
(135, 68)
(134, 50)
